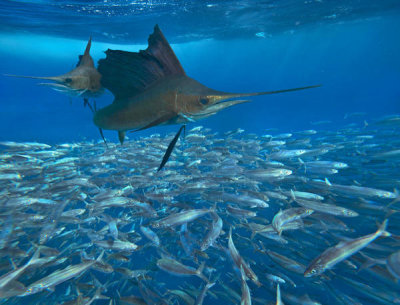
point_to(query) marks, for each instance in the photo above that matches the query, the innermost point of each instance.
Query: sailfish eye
(204, 101)
(68, 80)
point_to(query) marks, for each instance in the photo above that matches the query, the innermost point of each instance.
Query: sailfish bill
(151, 89)
(225, 100)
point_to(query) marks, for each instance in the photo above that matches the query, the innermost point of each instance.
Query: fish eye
(204, 101)
(68, 80)
(310, 272)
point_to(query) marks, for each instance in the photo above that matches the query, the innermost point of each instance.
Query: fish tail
(382, 229)
(35, 257)
(293, 195)
(98, 259)
(209, 285)
(395, 200)
(99, 296)
(369, 262)
(201, 268)
(200, 274)
(203, 277)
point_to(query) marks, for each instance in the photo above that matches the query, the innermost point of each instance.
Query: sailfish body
(173, 100)
(151, 88)
(84, 80)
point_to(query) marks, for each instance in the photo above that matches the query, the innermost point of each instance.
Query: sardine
(333, 255)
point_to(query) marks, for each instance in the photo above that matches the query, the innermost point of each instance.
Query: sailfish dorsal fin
(162, 51)
(128, 73)
(86, 59)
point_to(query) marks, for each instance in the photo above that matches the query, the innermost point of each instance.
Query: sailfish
(151, 88)
(84, 80)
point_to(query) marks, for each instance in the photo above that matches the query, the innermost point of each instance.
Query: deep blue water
(351, 48)
(355, 58)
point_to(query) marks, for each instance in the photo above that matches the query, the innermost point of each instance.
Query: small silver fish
(179, 218)
(174, 267)
(333, 255)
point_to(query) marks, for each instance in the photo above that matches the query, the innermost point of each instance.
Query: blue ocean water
(349, 47)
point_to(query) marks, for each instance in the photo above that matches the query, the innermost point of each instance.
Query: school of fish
(308, 217)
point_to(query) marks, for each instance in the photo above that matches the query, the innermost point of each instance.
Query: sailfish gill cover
(286, 198)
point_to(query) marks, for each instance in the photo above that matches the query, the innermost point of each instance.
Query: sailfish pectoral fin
(121, 136)
(102, 135)
(170, 148)
(86, 102)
